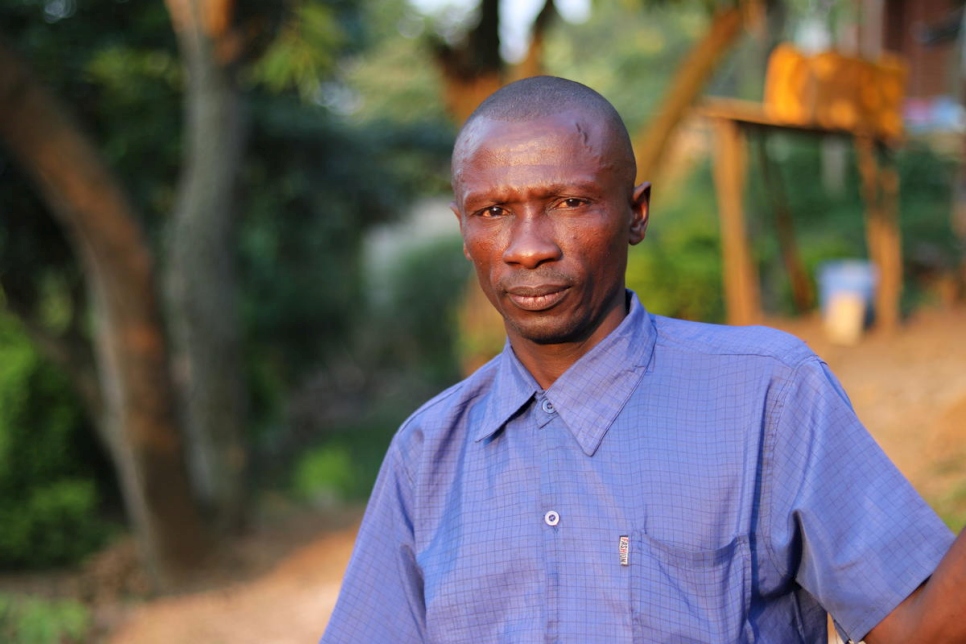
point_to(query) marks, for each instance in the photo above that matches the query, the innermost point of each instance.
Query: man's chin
(546, 332)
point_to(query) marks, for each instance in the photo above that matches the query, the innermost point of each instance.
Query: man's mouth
(536, 298)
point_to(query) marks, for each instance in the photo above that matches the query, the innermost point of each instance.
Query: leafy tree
(123, 77)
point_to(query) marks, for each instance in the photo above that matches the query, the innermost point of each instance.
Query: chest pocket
(685, 596)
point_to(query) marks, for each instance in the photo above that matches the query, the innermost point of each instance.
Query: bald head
(540, 97)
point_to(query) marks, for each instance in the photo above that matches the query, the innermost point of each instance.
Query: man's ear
(640, 209)
(459, 219)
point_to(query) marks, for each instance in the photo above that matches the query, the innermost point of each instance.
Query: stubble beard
(546, 328)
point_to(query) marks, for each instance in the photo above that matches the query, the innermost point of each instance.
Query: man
(615, 476)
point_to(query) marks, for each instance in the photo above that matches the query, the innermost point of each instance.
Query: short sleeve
(842, 520)
(381, 599)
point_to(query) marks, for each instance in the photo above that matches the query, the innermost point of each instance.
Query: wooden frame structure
(732, 120)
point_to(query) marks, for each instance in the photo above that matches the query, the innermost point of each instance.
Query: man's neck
(547, 362)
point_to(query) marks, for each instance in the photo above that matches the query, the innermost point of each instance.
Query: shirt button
(551, 518)
(547, 406)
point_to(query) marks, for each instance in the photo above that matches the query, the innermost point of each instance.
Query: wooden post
(803, 294)
(879, 191)
(887, 297)
(742, 297)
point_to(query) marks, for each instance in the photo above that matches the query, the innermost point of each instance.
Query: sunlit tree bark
(532, 63)
(688, 83)
(473, 70)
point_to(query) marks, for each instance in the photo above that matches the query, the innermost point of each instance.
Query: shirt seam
(768, 461)
(795, 346)
(410, 479)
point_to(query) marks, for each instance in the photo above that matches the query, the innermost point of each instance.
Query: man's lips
(537, 298)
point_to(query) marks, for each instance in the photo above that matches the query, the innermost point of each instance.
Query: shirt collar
(591, 393)
(513, 387)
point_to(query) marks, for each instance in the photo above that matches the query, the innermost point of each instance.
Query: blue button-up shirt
(681, 482)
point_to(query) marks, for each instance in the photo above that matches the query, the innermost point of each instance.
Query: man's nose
(532, 242)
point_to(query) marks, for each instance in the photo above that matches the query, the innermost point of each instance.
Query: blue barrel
(855, 277)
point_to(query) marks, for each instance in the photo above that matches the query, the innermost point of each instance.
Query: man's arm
(936, 611)
(381, 599)
(844, 521)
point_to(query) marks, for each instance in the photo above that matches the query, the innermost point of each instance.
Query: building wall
(932, 68)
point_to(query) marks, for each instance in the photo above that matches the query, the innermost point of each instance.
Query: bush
(676, 270)
(29, 620)
(56, 524)
(49, 499)
(343, 466)
(325, 475)
(679, 275)
(427, 287)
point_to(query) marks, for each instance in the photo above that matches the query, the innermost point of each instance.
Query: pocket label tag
(624, 550)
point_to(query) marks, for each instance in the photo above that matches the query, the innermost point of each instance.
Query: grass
(26, 619)
(951, 507)
(343, 466)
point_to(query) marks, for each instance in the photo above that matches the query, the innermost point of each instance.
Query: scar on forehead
(584, 134)
(598, 148)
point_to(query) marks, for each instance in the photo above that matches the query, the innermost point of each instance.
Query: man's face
(547, 209)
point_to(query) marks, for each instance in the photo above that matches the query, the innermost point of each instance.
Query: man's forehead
(484, 130)
(523, 141)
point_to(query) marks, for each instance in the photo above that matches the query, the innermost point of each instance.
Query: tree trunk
(474, 70)
(689, 80)
(201, 280)
(532, 63)
(131, 356)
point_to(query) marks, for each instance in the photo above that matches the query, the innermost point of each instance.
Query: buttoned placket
(548, 423)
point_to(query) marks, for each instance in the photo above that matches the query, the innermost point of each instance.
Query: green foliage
(951, 507)
(57, 523)
(304, 51)
(395, 81)
(37, 415)
(643, 48)
(302, 231)
(832, 226)
(33, 620)
(676, 270)
(49, 500)
(427, 287)
(925, 204)
(343, 466)
(324, 475)
(316, 184)
(125, 74)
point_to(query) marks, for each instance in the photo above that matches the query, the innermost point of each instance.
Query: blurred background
(228, 268)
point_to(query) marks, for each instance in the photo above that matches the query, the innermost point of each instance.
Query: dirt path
(909, 389)
(290, 602)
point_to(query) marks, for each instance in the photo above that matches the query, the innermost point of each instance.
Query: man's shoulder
(704, 339)
(444, 410)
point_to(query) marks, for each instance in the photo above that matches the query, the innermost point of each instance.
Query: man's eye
(492, 211)
(572, 202)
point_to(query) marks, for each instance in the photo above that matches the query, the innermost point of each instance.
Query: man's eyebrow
(490, 196)
(508, 193)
